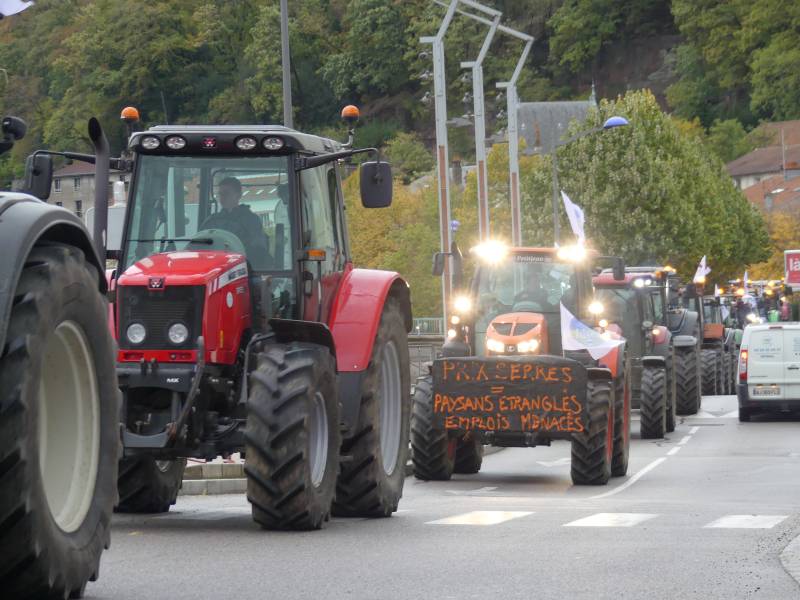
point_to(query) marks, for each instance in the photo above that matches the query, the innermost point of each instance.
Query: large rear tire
(433, 452)
(292, 437)
(469, 455)
(59, 428)
(708, 367)
(622, 423)
(593, 448)
(147, 485)
(653, 406)
(687, 380)
(371, 481)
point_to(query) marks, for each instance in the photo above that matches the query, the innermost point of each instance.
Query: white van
(769, 369)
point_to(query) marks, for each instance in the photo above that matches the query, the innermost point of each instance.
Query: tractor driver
(239, 220)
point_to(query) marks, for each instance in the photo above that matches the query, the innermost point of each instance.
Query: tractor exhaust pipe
(101, 169)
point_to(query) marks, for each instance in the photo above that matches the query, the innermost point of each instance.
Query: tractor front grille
(158, 310)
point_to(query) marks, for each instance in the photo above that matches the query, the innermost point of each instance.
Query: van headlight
(528, 346)
(495, 346)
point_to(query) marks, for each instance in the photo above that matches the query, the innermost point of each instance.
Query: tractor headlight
(528, 346)
(246, 143)
(272, 143)
(136, 333)
(462, 304)
(495, 346)
(178, 333)
(150, 142)
(596, 307)
(175, 142)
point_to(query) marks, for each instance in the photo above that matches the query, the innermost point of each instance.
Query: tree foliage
(784, 234)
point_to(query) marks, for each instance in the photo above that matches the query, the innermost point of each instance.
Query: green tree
(408, 156)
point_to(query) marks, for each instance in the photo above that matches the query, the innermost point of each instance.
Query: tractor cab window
(621, 308)
(658, 306)
(238, 204)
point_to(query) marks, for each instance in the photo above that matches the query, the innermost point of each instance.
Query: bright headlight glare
(528, 346)
(655, 331)
(178, 333)
(455, 320)
(150, 142)
(175, 142)
(462, 304)
(494, 345)
(136, 333)
(451, 333)
(603, 323)
(574, 253)
(491, 251)
(639, 283)
(596, 307)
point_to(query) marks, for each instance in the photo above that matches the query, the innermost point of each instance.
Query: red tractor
(243, 325)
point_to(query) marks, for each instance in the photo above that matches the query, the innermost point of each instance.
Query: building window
(57, 186)
(76, 183)
(78, 208)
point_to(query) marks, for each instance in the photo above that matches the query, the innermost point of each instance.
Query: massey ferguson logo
(156, 283)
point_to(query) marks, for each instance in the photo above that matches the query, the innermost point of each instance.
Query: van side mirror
(376, 184)
(438, 264)
(39, 175)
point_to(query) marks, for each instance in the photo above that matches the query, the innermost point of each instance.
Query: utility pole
(481, 169)
(442, 166)
(288, 121)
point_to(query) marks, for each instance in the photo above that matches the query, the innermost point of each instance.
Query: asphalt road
(702, 514)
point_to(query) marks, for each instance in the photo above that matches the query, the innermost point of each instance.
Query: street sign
(791, 262)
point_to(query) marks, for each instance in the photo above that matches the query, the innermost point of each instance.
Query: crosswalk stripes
(481, 517)
(612, 520)
(746, 522)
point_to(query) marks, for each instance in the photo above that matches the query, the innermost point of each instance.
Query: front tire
(433, 453)
(672, 394)
(687, 380)
(654, 403)
(147, 485)
(371, 481)
(592, 449)
(622, 423)
(708, 366)
(469, 455)
(292, 437)
(59, 435)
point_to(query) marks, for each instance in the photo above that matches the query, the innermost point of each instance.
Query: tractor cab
(513, 305)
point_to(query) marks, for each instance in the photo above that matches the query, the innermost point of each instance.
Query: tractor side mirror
(376, 184)
(619, 269)
(438, 264)
(39, 175)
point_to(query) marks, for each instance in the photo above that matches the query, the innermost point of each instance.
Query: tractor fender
(684, 341)
(288, 330)
(599, 374)
(654, 361)
(24, 221)
(357, 311)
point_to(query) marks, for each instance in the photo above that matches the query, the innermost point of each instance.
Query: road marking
(746, 522)
(694, 430)
(612, 520)
(731, 415)
(643, 471)
(684, 439)
(488, 490)
(554, 463)
(674, 451)
(481, 517)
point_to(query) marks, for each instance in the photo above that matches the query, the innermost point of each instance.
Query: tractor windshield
(240, 204)
(621, 307)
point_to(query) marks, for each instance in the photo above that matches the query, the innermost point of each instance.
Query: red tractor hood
(181, 268)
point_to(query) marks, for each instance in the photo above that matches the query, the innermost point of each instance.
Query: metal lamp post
(611, 123)
(440, 111)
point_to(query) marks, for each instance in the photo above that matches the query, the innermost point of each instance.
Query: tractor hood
(180, 268)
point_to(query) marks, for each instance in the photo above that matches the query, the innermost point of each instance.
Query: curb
(790, 558)
(228, 478)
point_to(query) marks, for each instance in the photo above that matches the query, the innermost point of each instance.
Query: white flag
(12, 7)
(576, 218)
(716, 290)
(576, 335)
(702, 271)
(744, 281)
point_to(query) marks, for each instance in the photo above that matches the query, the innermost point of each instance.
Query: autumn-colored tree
(784, 234)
